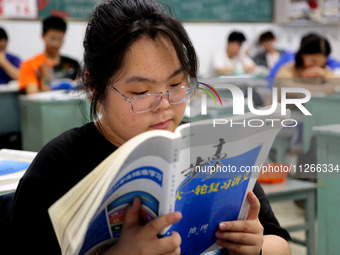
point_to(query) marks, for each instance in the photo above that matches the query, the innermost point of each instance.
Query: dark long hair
(312, 44)
(113, 27)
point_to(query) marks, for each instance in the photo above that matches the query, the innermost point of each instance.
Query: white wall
(208, 38)
(25, 38)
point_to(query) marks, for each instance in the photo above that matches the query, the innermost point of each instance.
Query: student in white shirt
(269, 56)
(232, 60)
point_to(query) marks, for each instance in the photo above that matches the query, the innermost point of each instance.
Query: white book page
(26, 156)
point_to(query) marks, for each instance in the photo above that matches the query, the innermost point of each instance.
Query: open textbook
(13, 164)
(204, 169)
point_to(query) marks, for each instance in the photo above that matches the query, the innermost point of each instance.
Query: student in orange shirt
(37, 73)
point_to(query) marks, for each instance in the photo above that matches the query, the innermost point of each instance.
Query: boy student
(232, 60)
(9, 64)
(137, 64)
(269, 54)
(37, 73)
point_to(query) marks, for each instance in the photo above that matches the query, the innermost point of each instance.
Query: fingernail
(177, 216)
(223, 226)
(135, 201)
(219, 234)
(219, 242)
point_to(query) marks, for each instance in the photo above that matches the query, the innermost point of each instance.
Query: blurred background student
(37, 73)
(233, 60)
(289, 56)
(269, 55)
(9, 64)
(309, 70)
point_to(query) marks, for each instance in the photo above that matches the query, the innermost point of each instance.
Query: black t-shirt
(67, 68)
(61, 164)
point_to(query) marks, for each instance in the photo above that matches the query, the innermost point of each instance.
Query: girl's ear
(87, 74)
(87, 77)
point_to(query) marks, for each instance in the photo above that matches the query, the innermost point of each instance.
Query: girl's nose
(164, 103)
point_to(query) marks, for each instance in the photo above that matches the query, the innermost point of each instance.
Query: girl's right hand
(142, 239)
(313, 72)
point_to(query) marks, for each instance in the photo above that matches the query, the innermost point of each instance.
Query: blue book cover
(205, 199)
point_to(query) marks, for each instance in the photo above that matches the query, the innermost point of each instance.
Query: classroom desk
(9, 109)
(48, 114)
(324, 110)
(328, 192)
(293, 189)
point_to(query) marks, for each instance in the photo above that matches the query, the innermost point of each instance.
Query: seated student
(37, 73)
(232, 61)
(9, 64)
(289, 56)
(309, 71)
(269, 54)
(136, 52)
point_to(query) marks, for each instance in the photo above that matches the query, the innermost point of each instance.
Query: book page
(26, 156)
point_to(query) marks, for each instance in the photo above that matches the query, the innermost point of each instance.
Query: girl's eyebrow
(136, 78)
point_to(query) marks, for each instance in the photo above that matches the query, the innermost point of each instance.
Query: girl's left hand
(243, 236)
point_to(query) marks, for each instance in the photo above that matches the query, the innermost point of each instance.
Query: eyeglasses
(148, 102)
(55, 40)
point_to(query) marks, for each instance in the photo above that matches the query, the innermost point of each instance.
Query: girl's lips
(161, 125)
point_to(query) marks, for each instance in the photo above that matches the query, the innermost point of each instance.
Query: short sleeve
(14, 60)
(247, 61)
(266, 216)
(222, 61)
(27, 75)
(286, 71)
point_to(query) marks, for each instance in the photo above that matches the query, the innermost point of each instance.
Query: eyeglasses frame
(131, 99)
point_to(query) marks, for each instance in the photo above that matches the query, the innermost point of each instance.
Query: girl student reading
(137, 64)
(309, 70)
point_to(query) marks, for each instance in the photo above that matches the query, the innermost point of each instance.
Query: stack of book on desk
(13, 164)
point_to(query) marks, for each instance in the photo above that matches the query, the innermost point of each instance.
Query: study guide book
(204, 169)
(13, 164)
